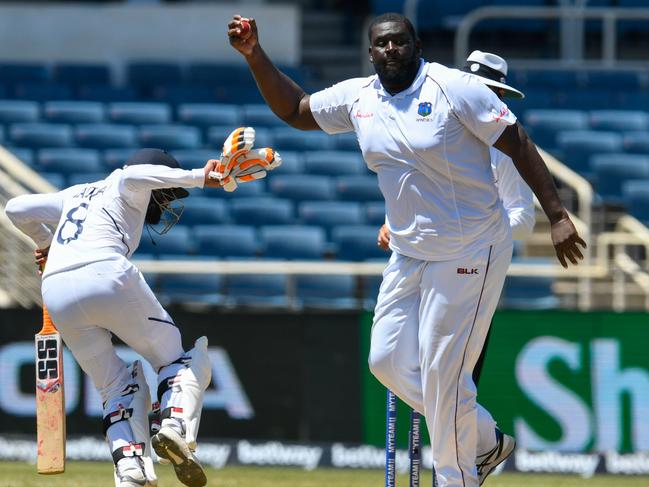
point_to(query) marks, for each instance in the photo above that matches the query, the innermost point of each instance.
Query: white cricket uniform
(90, 287)
(451, 242)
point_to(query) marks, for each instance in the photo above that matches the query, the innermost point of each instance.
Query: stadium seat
(613, 170)
(257, 290)
(292, 242)
(106, 136)
(621, 80)
(19, 111)
(55, 179)
(288, 138)
(292, 163)
(577, 147)
(200, 210)
(260, 115)
(328, 214)
(2, 134)
(43, 91)
(356, 242)
(346, 141)
(208, 114)
(148, 73)
(334, 163)
(176, 94)
(191, 289)
(326, 291)
(375, 213)
(544, 125)
(69, 160)
(139, 113)
(217, 134)
(21, 72)
(81, 73)
(299, 187)
(619, 120)
(116, 158)
(194, 158)
(74, 112)
(228, 74)
(34, 135)
(169, 137)
(83, 178)
(636, 142)
(358, 188)
(529, 292)
(106, 93)
(176, 242)
(262, 211)
(636, 199)
(25, 155)
(226, 241)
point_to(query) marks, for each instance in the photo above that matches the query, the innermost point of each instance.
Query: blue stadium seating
(612, 170)
(301, 187)
(74, 112)
(55, 178)
(292, 242)
(200, 210)
(334, 163)
(292, 163)
(208, 114)
(169, 137)
(255, 189)
(2, 134)
(357, 242)
(34, 135)
(260, 115)
(328, 214)
(577, 146)
(370, 286)
(81, 73)
(619, 120)
(107, 93)
(358, 188)
(345, 141)
(636, 199)
(42, 91)
(220, 74)
(194, 158)
(69, 160)
(375, 213)
(288, 138)
(226, 241)
(622, 80)
(21, 72)
(176, 242)
(257, 290)
(177, 94)
(636, 142)
(529, 292)
(217, 134)
(86, 177)
(326, 291)
(116, 158)
(139, 113)
(191, 289)
(262, 211)
(25, 155)
(544, 125)
(19, 111)
(106, 136)
(148, 73)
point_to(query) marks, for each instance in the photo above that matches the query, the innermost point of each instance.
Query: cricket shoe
(131, 477)
(487, 462)
(168, 444)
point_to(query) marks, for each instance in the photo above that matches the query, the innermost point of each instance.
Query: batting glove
(251, 166)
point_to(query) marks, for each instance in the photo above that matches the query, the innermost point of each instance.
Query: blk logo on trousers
(464, 270)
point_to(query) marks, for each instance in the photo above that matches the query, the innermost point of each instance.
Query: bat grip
(48, 324)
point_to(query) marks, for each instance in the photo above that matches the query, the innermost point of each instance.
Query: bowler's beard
(398, 75)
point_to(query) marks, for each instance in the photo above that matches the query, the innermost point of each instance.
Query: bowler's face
(394, 54)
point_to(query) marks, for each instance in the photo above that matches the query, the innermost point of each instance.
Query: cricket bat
(50, 399)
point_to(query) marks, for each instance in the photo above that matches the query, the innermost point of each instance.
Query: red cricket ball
(244, 29)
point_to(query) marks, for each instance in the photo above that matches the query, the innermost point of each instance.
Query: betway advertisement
(558, 381)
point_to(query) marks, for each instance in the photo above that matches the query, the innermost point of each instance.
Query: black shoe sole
(188, 470)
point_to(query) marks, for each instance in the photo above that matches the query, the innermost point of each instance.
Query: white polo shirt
(429, 146)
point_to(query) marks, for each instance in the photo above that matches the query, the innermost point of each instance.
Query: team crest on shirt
(425, 108)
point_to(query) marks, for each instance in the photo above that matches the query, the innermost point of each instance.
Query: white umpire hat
(493, 71)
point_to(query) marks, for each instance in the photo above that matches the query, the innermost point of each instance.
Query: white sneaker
(168, 444)
(487, 462)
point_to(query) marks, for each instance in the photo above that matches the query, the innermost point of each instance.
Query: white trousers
(430, 323)
(89, 303)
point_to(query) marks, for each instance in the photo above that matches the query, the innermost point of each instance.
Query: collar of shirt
(418, 81)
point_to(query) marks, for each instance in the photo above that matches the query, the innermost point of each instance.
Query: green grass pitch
(83, 474)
